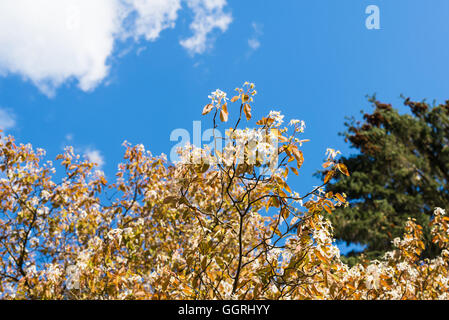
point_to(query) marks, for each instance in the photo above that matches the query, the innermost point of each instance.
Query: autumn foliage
(219, 224)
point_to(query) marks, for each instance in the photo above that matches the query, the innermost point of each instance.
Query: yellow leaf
(343, 169)
(327, 164)
(196, 282)
(207, 108)
(247, 111)
(225, 107)
(273, 202)
(294, 170)
(285, 213)
(266, 121)
(223, 115)
(320, 256)
(351, 286)
(298, 156)
(385, 284)
(328, 176)
(277, 232)
(340, 197)
(234, 99)
(170, 199)
(262, 122)
(204, 263)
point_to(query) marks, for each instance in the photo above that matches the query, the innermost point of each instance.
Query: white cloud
(54, 41)
(7, 119)
(254, 41)
(95, 156)
(152, 16)
(254, 44)
(69, 137)
(51, 42)
(209, 15)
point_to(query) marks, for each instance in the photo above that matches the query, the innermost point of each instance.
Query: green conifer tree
(401, 170)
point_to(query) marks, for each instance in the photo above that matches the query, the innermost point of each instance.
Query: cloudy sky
(93, 74)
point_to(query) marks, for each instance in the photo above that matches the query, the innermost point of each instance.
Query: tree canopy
(401, 170)
(218, 224)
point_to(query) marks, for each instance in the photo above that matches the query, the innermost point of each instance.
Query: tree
(401, 171)
(219, 224)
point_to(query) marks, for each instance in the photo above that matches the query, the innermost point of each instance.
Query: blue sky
(140, 78)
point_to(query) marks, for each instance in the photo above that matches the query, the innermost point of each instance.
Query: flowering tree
(222, 223)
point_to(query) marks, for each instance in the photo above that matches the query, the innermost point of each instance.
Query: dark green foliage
(401, 171)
